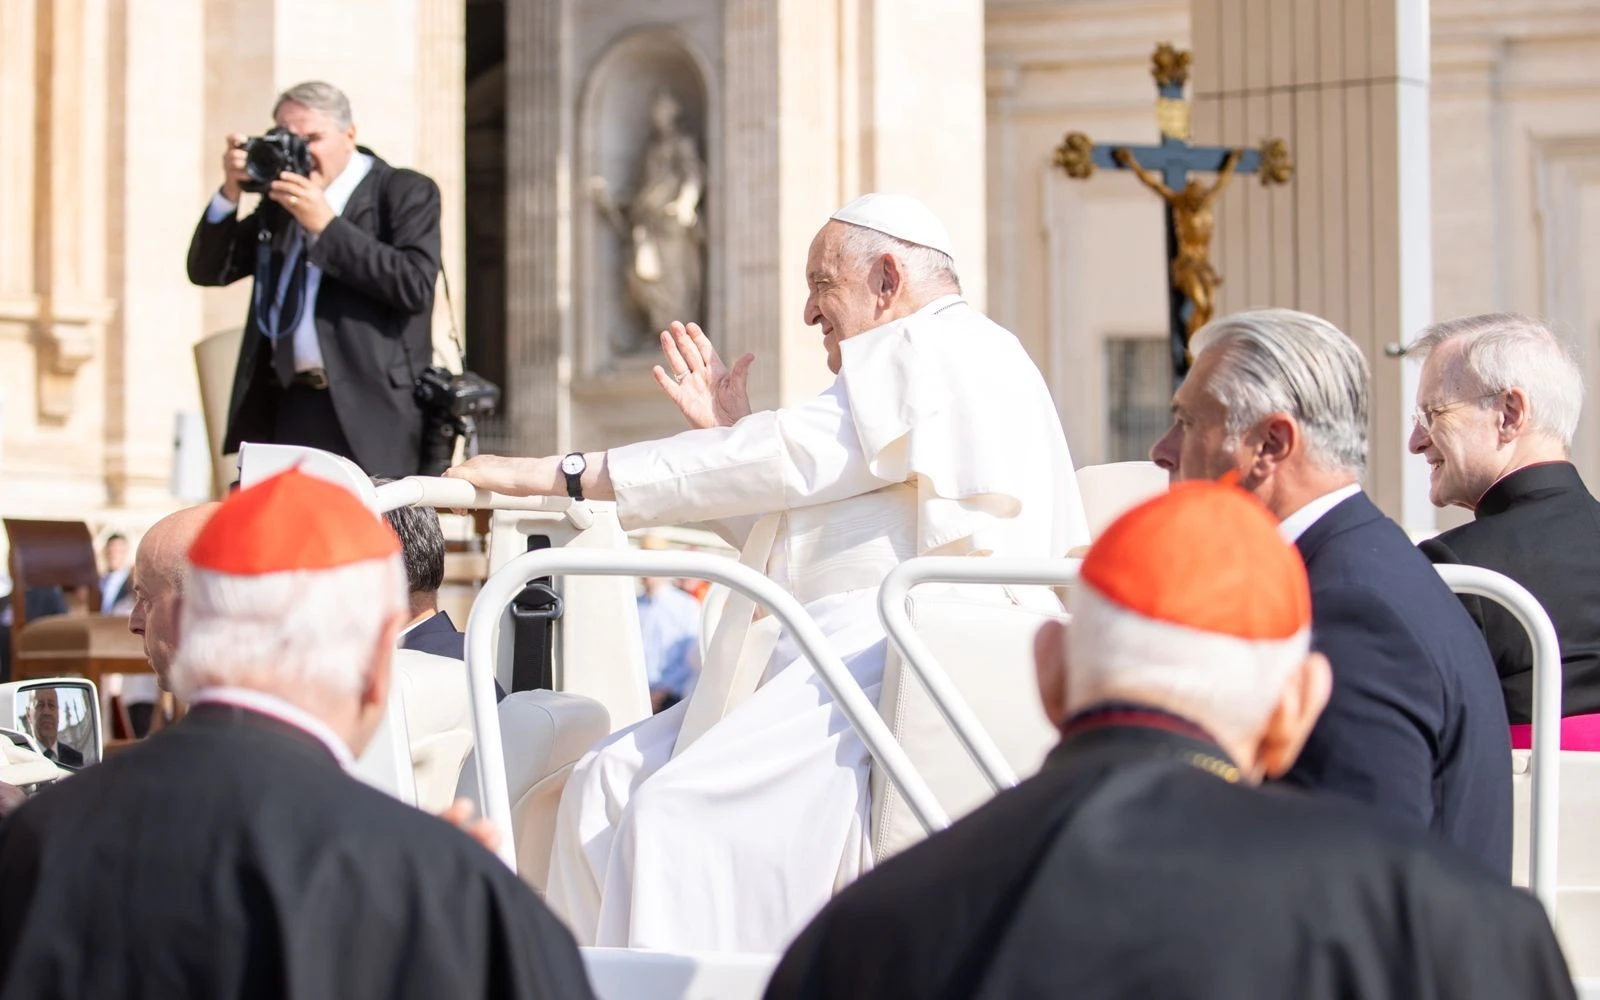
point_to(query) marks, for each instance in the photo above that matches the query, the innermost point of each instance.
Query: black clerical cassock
(230, 857)
(1134, 866)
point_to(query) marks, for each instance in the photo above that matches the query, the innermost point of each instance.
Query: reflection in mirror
(62, 717)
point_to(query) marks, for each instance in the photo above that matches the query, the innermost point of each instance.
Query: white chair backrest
(262, 461)
(433, 691)
(1110, 490)
(542, 734)
(386, 762)
(598, 651)
(422, 743)
(1577, 912)
(986, 650)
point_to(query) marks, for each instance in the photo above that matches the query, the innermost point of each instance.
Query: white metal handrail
(1473, 580)
(1543, 815)
(509, 581)
(458, 494)
(893, 604)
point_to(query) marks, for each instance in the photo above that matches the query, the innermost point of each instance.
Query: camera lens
(264, 161)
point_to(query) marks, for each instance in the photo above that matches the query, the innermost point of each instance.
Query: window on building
(1138, 395)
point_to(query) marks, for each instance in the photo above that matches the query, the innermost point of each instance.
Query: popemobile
(956, 720)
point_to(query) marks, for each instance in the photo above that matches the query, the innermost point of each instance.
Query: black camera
(451, 405)
(267, 156)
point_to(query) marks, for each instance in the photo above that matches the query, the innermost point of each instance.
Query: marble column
(72, 176)
(874, 95)
(538, 226)
(440, 139)
(1346, 85)
(158, 52)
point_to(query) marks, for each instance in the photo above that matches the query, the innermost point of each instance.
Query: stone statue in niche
(661, 227)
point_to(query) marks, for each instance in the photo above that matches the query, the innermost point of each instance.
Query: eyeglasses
(1424, 416)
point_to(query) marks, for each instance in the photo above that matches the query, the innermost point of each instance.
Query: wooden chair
(78, 644)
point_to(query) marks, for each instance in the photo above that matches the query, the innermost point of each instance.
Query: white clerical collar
(1296, 524)
(283, 711)
(343, 186)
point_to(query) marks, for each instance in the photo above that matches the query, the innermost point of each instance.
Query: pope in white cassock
(726, 822)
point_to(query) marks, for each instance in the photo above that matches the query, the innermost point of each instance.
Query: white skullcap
(901, 216)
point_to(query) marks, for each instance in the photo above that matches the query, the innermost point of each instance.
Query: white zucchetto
(900, 216)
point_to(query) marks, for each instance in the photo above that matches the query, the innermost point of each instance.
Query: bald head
(158, 572)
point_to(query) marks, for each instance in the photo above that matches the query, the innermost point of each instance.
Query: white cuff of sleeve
(220, 208)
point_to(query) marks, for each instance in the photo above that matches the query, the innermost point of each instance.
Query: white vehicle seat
(1110, 490)
(433, 690)
(418, 751)
(1577, 853)
(543, 734)
(987, 649)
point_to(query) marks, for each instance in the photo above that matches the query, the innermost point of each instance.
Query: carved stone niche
(641, 195)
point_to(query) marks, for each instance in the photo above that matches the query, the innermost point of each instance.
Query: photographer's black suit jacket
(374, 313)
(1416, 726)
(1541, 527)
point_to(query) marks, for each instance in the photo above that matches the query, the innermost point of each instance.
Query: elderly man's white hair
(1510, 351)
(1284, 361)
(1231, 683)
(297, 631)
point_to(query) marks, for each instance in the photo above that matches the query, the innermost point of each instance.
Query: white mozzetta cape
(944, 399)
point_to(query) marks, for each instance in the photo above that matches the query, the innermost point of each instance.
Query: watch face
(573, 465)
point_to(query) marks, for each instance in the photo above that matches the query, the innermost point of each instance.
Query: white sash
(739, 649)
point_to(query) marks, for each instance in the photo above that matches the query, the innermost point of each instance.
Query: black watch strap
(574, 479)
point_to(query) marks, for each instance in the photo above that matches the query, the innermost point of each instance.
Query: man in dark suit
(1416, 724)
(339, 325)
(44, 722)
(422, 545)
(1497, 404)
(1141, 861)
(244, 861)
(116, 583)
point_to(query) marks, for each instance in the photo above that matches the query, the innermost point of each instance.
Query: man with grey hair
(343, 250)
(1497, 404)
(1415, 725)
(244, 860)
(726, 821)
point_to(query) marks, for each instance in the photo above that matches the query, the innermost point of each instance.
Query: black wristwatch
(572, 466)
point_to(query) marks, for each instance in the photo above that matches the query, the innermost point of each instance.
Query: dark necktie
(50, 755)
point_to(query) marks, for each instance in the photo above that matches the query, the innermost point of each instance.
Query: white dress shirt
(1296, 524)
(307, 351)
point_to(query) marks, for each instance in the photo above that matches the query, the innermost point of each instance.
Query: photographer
(344, 252)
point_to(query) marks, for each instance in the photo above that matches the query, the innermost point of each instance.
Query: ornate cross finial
(1170, 66)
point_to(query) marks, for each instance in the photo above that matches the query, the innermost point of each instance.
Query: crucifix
(1192, 280)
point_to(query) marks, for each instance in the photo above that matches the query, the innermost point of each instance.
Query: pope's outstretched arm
(797, 456)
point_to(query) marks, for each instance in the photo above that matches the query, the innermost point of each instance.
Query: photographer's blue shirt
(307, 351)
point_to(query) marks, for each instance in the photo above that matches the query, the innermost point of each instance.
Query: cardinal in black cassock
(1142, 861)
(231, 856)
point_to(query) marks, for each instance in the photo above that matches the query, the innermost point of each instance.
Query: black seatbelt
(534, 613)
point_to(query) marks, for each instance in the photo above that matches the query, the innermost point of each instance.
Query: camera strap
(293, 292)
